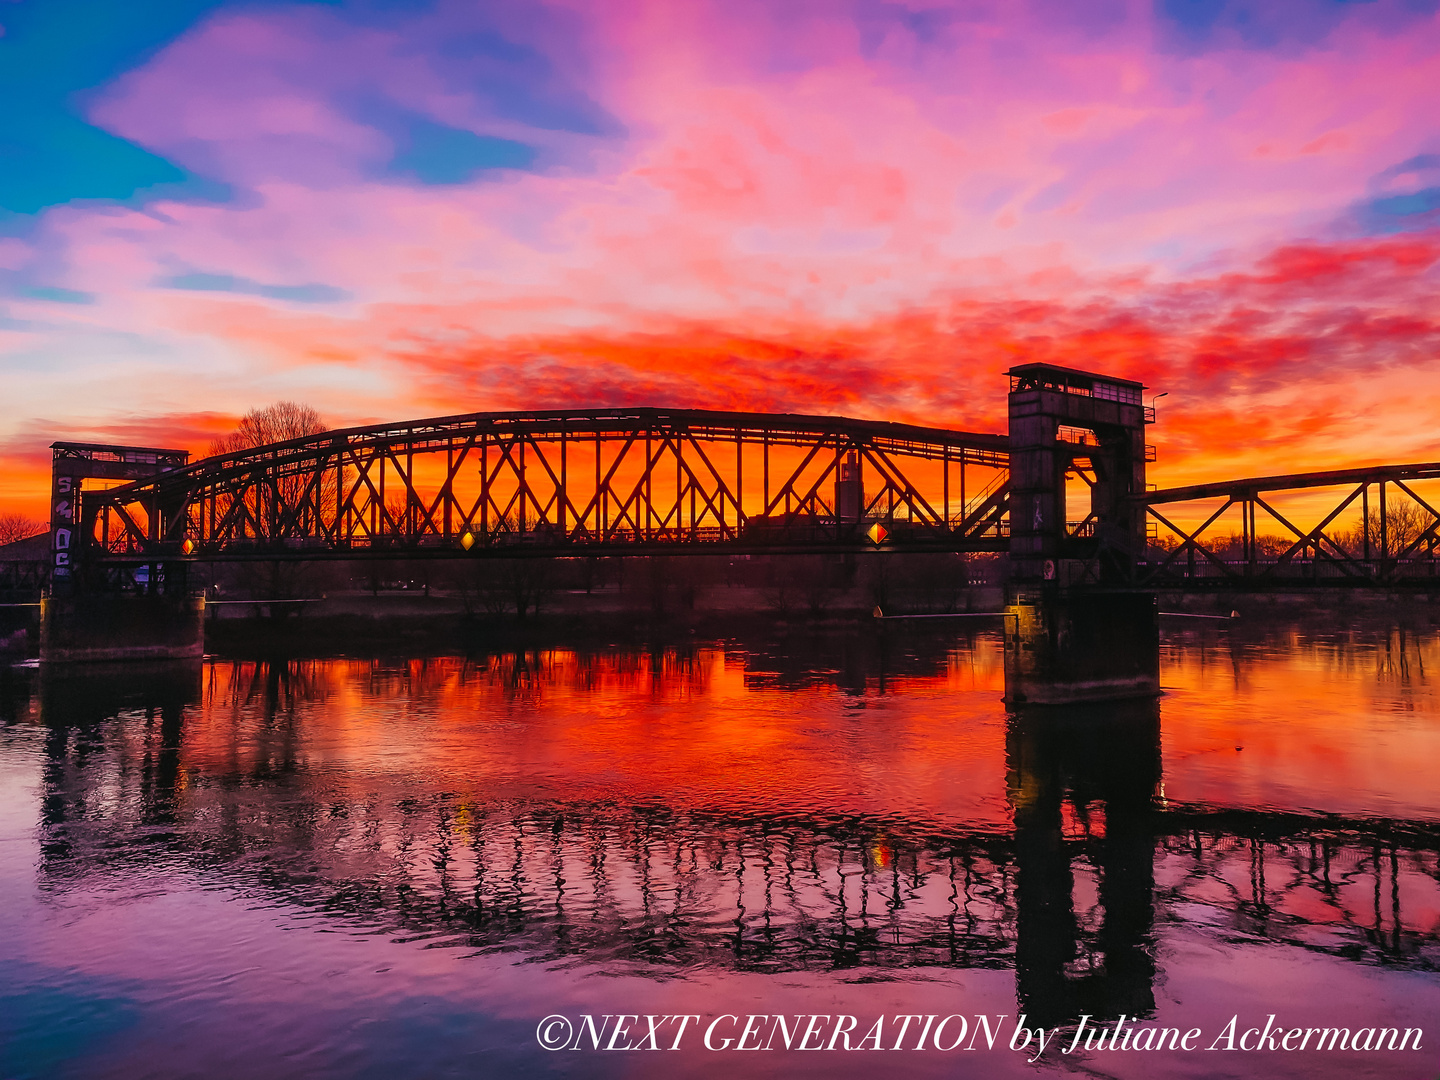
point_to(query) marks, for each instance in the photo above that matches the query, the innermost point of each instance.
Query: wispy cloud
(857, 207)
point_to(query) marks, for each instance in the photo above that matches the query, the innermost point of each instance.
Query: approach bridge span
(1376, 526)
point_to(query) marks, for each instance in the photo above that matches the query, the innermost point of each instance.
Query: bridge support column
(1062, 648)
(87, 627)
(1067, 638)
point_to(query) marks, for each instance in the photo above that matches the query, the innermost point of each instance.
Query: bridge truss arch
(581, 482)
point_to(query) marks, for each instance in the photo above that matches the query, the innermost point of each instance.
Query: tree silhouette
(257, 428)
(18, 527)
(274, 423)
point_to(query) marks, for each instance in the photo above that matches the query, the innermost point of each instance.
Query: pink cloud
(791, 211)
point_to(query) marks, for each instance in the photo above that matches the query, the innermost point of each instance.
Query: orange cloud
(1315, 357)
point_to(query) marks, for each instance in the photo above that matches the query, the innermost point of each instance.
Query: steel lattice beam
(1393, 545)
(623, 481)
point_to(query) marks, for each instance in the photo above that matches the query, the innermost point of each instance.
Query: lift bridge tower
(1074, 631)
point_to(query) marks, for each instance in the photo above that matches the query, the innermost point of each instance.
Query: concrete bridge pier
(1062, 648)
(1071, 634)
(89, 627)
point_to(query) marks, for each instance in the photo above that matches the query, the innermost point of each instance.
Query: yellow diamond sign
(467, 540)
(877, 533)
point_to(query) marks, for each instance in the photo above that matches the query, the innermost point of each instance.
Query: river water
(400, 867)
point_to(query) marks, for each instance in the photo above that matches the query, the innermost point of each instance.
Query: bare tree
(277, 423)
(259, 427)
(274, 423)
(1404, 522)
(503, 585)
(18, 527)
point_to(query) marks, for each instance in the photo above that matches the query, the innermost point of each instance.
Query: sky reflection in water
(356, 868)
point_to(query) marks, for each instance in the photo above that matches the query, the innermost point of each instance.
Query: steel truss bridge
(1375, 527)
(593, 482)
(653, 481)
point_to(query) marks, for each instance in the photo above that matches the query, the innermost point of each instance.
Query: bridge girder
(591, 482)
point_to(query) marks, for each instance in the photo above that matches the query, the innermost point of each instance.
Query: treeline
(1404, 524)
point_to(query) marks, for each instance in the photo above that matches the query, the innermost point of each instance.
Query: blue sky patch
(59, 158)
(54, 294)
(1412, 211)
(1403, 198)
(1267, 24)
(435, 153)
(197, 281)
(52, 53)
(56, 54)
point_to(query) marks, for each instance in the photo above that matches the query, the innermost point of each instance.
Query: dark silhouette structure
(73, 464)
(1065, 423)
(614, 482)
(593, 482)
(657, 481)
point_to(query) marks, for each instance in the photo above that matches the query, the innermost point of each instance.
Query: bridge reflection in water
(212, 772)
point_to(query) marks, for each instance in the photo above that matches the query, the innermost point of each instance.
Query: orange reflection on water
(696, 728)
(692, 823)
(1337, 724)
(1334, 725)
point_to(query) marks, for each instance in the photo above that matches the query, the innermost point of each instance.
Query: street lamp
(1156, 398)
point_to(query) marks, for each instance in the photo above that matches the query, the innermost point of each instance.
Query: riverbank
(377, 622)
(370, 624)
(380, 622)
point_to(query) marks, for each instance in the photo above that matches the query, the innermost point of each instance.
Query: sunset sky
(393, 209)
